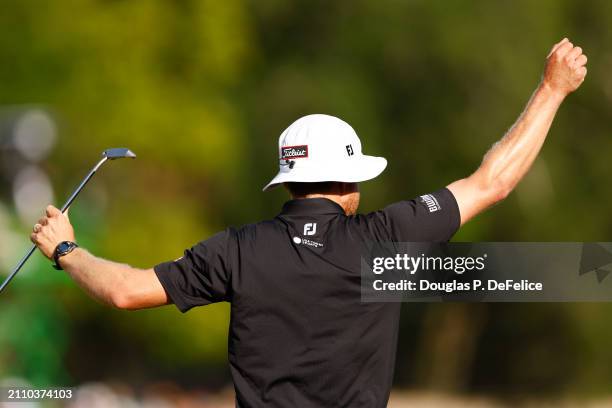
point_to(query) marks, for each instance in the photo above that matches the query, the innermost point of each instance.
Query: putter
(108, 154)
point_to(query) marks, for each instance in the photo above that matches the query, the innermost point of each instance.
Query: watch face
(64, 246)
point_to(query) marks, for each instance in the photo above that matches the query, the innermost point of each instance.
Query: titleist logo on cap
(294, 152)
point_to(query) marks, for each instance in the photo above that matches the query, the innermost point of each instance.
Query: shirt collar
(311, 206)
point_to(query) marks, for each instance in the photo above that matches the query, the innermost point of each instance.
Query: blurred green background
(200, 90)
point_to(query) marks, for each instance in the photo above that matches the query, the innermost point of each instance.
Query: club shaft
(76, 192)
(70, 200)
(17, 268)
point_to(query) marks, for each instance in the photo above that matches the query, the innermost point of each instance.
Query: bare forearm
(112, 283)
(509, 159)
(507, 162)
(100, 278)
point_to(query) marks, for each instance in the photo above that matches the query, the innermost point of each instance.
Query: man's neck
(333, 197)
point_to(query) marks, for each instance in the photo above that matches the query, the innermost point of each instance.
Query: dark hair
(299, 189)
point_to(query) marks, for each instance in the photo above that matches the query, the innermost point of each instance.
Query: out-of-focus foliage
(200, 91)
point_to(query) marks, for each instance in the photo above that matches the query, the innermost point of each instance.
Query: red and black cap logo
(294, 152)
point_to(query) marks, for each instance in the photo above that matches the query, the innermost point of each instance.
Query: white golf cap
(318, 148)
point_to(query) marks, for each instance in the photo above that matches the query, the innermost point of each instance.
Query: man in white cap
(299, 335)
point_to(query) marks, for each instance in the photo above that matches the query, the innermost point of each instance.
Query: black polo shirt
(299, 335)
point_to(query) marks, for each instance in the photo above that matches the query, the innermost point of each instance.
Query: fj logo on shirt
(294, 152)
(310, 228)
(430, 202)
(349, 150)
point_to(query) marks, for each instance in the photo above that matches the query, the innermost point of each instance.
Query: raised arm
(112, 283)
(509, 159)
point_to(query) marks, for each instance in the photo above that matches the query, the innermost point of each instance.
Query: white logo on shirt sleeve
(430, 202)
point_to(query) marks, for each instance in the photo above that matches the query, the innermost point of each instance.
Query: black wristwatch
(63, 248)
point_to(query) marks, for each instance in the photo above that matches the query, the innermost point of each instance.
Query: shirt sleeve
(431, 217)
(202, 275)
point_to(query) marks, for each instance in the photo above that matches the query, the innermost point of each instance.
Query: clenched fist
(565, 68)
(50, 230)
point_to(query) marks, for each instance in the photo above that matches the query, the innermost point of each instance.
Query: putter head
(118, 153)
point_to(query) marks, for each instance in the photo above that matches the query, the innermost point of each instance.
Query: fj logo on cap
(310, 228)
(294, 152)
(349, 150)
